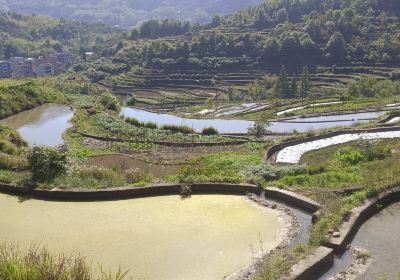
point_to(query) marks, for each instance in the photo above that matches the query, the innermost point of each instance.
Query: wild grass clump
(274, 172)
(88, 177)
(137, 175)
(178, 128)
(151, 125)
(38, 264)
(133, 121)
(137, 123)
(210, 131)
(11, 162)
(221, 167)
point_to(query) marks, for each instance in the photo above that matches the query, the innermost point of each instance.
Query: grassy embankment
(374, 167)
(20, 95)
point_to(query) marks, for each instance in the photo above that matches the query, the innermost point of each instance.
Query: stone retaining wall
(275, 149)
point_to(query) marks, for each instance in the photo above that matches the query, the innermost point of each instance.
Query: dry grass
(37, 263)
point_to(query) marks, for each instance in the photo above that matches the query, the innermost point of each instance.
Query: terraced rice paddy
(155, 238)
(294, 153)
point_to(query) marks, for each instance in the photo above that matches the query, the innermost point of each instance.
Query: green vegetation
(37, 263)
(210, 131)
(12, 149)
(332, 31)
(47, 163)
(220, 167)
(371, 165)
(17, 96)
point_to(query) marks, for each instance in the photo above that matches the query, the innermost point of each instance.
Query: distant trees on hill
(154, 29)
(290, 32)
(281, 87)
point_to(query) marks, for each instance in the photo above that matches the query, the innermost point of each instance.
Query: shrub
(377, 152)
(137, 175)
(274, 172)
(109, 101)
(134, 121)
(350, 156)
(151, 125)
(259, 128)
(12, 162)
(210, 131)
(131, 101)
(37, 263)
(178, 128)
(47, 163)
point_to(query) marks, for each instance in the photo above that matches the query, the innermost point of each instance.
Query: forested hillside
(127, 13)
(34, 35)
(312, 32)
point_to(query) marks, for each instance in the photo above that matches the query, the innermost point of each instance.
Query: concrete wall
(360, 215)
(129, 192)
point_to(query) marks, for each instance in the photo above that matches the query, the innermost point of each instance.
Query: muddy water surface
(204, 237)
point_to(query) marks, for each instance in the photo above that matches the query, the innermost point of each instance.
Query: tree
(282, 85)
(47, 163)
(336, 46)
(293, 86)
(260, 127)
(305, 84)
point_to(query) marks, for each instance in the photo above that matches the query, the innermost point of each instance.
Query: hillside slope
(127, 13)
(281, 32)
(35, 35)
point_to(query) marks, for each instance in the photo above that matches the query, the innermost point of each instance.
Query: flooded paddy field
(43, 125)
(241, 126)
(155, 238)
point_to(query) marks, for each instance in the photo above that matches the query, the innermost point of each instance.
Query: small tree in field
(260, 127)
(47, 163)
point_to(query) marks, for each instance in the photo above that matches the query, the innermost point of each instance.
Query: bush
(210, 131)
(110, 102)
(274, 172)
(131, 101)
(47, 163)
(377, 152)
(134, 122)
(259, 129)
(12, 162)
(136, 175)
(178, 128)
(37, 263)
(350, 156)
(151, 125)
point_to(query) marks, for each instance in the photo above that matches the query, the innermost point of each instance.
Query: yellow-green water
(204, 237)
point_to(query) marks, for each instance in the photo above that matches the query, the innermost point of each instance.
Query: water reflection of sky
(43, 125)
(241, 126)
